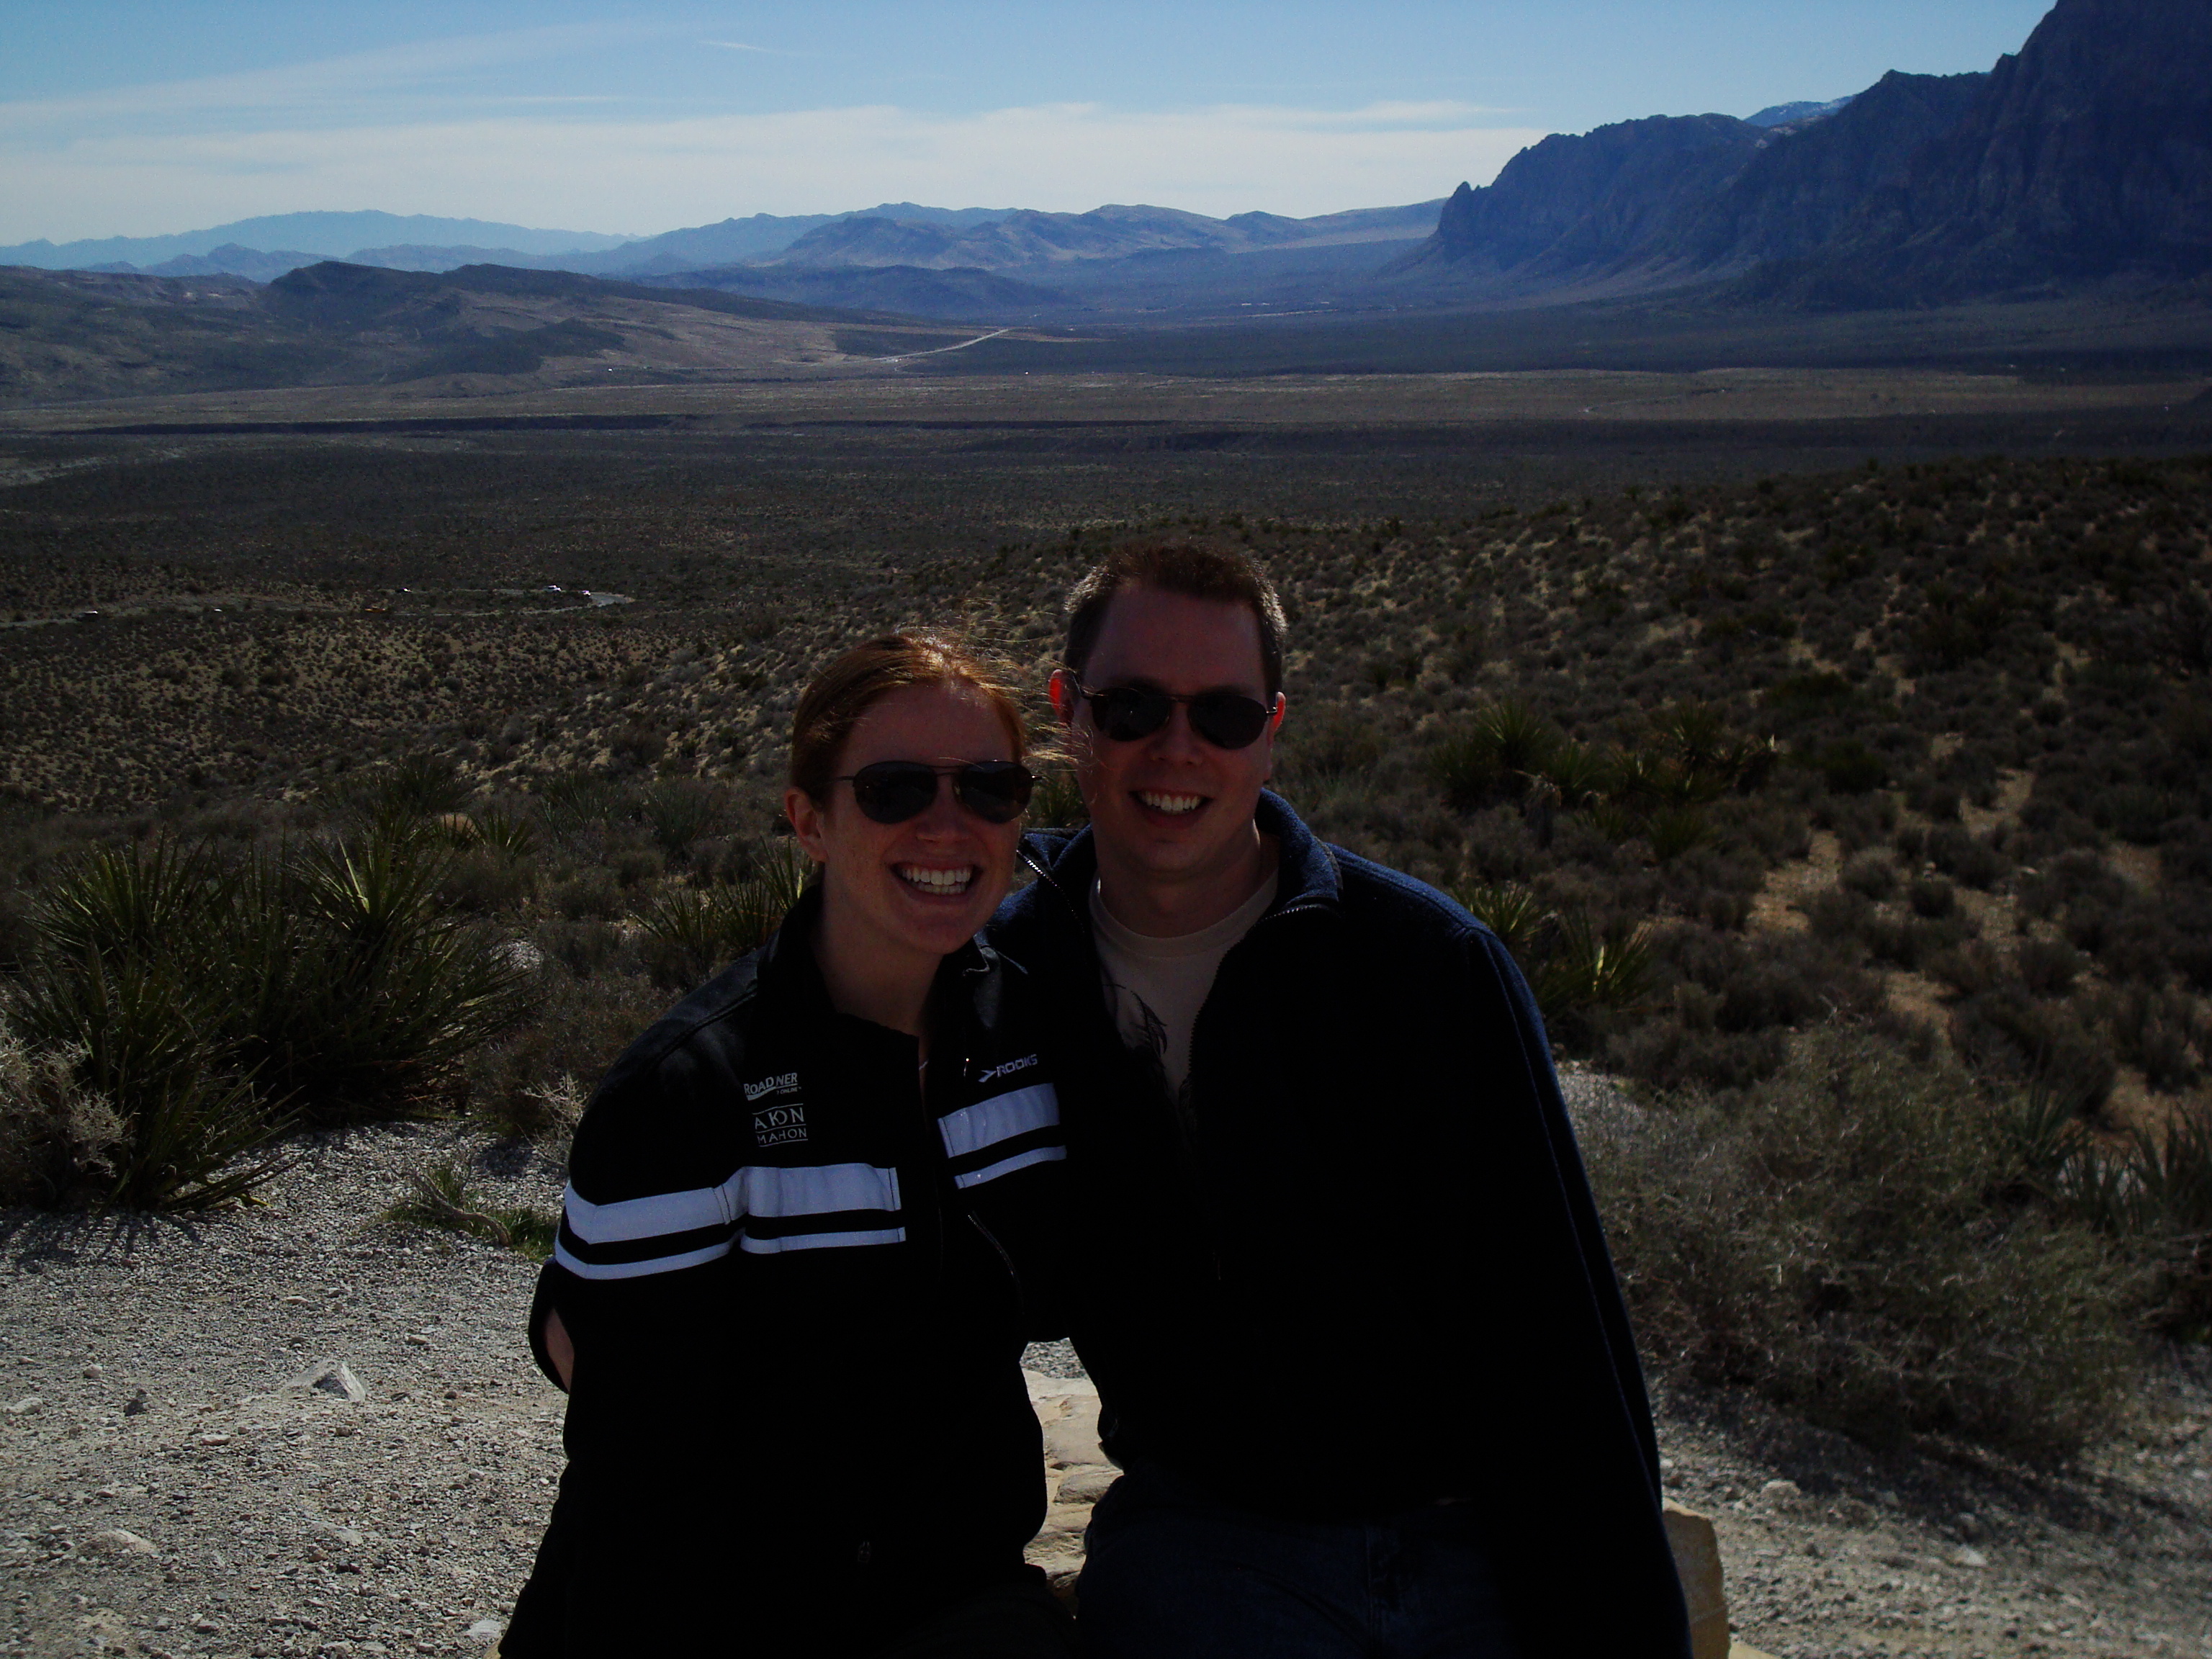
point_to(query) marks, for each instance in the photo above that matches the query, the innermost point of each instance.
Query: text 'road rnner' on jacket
(799, 1269)
(1361, 1270)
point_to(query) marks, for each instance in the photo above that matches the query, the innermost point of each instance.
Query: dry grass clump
(1855, 1238)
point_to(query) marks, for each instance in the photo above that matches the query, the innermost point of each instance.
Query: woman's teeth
(1177, 804)
(937, 881)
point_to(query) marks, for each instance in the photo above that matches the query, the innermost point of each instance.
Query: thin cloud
(401, 70)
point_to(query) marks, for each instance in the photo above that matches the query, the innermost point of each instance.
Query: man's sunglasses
(1126, 713)
(891, 792)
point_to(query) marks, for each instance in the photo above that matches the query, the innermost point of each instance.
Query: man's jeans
(1175, 1574)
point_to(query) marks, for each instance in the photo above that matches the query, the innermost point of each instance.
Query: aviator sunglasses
(1223, 719)
(891, 792)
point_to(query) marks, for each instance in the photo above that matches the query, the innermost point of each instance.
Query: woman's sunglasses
(891, 792)
(1126, 713)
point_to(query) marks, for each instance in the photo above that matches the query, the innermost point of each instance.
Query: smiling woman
(849, 1133)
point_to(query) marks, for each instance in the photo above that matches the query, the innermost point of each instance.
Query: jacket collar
(790, 972)
(1306, 878)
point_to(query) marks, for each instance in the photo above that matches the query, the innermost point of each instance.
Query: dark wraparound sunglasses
(891, 792)
(1223, 719)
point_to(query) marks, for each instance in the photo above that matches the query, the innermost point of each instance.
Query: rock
(333, 1377)
(1781, 1491)
(486, 1630)
(136, 1405)
(1087, 1485)
(1697, 1561)
(29, 1405)
(116, 1541)
(1070, 1440)
(1043, 1388)
(1969, 1526)
(1967, 1556)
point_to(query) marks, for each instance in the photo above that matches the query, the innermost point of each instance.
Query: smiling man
(1337, 1271)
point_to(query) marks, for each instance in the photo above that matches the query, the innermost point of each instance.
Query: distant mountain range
(323, 235)
(2085, 158)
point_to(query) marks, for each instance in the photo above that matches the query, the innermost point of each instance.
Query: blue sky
(130, 117)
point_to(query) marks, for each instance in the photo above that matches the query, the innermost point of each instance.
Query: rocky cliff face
(2086, 156)
(1573, 203)
(1805, 186)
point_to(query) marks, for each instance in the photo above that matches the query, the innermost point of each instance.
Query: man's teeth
(1160, 803)
(937, 881)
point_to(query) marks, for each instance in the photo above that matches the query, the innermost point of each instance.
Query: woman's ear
(807, 824)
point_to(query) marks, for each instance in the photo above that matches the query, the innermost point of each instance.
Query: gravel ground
(168, 1486)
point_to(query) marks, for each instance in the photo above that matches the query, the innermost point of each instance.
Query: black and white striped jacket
(781, 1247)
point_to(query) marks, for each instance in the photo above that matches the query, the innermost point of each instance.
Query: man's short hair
(1197, 570)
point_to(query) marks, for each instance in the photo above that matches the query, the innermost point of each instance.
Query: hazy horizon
(140, 118)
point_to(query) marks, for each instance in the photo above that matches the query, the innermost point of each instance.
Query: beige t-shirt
(1155, 986)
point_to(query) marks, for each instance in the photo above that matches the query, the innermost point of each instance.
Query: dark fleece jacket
(1361, 1270)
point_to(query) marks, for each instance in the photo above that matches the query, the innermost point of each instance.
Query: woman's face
(927, 885)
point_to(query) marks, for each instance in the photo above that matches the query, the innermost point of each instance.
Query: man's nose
(1178, 738)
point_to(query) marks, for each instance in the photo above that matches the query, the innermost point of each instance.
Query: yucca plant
(355, 992)
(189, 1131)
(1675, 830)
(1500, 748)
(1579, 772)
(1509, 910)
(1590, 972)
(696, 930)
(508, 837)
(681, 811)
(580, 808)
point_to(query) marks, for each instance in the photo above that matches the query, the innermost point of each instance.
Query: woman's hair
(834, 702)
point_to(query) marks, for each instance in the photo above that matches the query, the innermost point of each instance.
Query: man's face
(1171, 805)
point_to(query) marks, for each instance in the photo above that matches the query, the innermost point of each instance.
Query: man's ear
(1065, 689)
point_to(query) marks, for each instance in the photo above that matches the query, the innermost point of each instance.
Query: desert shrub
(1682, 1053)
(1330, 742)
(1511, 911)
(327, 973)
(2002, 1033)
(481, 881)
(1837, 1239)
(531, 1083)
(57, 1137)
(2048, 967)
(121, 1099)
(1931, 898)
(590, 895)
(1965, 858)
(1847, 766)
(2158, 1032)
(1871, 875)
